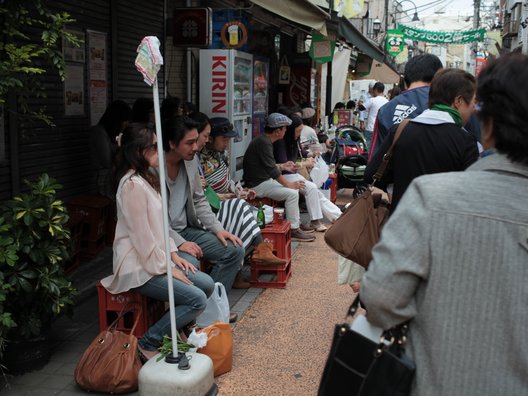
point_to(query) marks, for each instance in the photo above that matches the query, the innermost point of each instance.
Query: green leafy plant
(166, 347)
(24, 56)
(34, 244)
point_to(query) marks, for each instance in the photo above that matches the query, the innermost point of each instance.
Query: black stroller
(350, 156)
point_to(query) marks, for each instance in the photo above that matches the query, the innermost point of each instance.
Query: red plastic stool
(110, 305)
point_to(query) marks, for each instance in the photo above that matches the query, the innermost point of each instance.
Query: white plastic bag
(319, 173)
(217, 308)
(348, 272)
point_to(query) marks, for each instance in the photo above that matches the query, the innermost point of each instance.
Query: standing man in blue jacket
(418, 74)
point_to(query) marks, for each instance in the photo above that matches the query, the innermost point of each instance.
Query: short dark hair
(201, 119)
(503, 104)
(421, 68)
(379, 87)
(174, 130)
(113, 118)
(170, 107)
(141, 110)
(447, 84)
(351, 105)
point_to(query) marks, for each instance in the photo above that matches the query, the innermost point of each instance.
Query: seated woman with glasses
(235, 214)
(139, 252)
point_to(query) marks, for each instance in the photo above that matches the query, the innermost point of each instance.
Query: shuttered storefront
(62, 151)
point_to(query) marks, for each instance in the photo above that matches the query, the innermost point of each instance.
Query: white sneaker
(318, 226)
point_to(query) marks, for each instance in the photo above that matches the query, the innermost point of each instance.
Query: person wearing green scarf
(451, 111)
(434, 141)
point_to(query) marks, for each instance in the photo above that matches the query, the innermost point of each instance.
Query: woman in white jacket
(139, 255)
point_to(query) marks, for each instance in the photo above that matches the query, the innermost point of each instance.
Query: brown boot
(240, 283)
(263, 255)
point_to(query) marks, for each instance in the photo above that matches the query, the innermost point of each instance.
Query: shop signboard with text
(226, 90)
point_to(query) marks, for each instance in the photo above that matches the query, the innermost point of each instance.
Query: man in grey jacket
(194, 227)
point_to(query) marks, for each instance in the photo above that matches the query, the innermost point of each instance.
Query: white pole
(165, 213)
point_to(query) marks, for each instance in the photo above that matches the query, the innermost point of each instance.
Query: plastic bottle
(261, 219)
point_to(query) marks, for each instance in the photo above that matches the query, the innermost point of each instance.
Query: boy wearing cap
(262, 174)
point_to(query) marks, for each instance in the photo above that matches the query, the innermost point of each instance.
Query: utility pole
(476, 14)
(476, 22)
(328, 104)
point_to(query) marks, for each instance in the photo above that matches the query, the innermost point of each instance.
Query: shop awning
(382, 72)
(353, 36)
(303, 12)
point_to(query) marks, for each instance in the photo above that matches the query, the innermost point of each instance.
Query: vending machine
(226, 90)
(260, 94)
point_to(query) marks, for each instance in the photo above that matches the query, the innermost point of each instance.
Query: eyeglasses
(153, 147)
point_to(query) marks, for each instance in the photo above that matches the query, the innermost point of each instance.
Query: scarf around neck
(457, 118)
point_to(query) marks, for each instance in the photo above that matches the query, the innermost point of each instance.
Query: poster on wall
(97, 82)
(74, 90)
(70, 52)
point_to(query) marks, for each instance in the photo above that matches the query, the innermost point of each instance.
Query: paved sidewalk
(71, 336)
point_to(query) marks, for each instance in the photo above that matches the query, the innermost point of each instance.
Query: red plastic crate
(92, 210)
(280, 236)
(110, 305)
(282, 274)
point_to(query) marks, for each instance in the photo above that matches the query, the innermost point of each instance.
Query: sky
(452, 7)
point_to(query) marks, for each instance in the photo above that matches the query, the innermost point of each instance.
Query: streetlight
(415, 16)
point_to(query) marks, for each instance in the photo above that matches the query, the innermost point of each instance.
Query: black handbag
(357, 365)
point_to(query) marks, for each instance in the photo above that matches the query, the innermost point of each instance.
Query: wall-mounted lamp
(376, 26)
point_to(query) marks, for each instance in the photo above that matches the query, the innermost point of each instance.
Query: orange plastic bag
(219, 346)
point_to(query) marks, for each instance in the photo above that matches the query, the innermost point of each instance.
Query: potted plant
(34, 243)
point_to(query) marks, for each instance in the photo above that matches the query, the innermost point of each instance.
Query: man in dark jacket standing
(418, 75)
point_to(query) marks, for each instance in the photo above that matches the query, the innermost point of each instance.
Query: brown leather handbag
(111, 363)
(354, 234)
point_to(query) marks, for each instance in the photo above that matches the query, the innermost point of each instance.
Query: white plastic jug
(217, 308)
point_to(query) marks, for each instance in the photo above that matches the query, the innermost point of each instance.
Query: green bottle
(261, 219)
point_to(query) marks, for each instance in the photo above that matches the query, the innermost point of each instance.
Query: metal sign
(192, 27)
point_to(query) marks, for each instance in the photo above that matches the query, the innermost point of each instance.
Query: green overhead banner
(322, 49)
(467, 36)
(394, 42)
